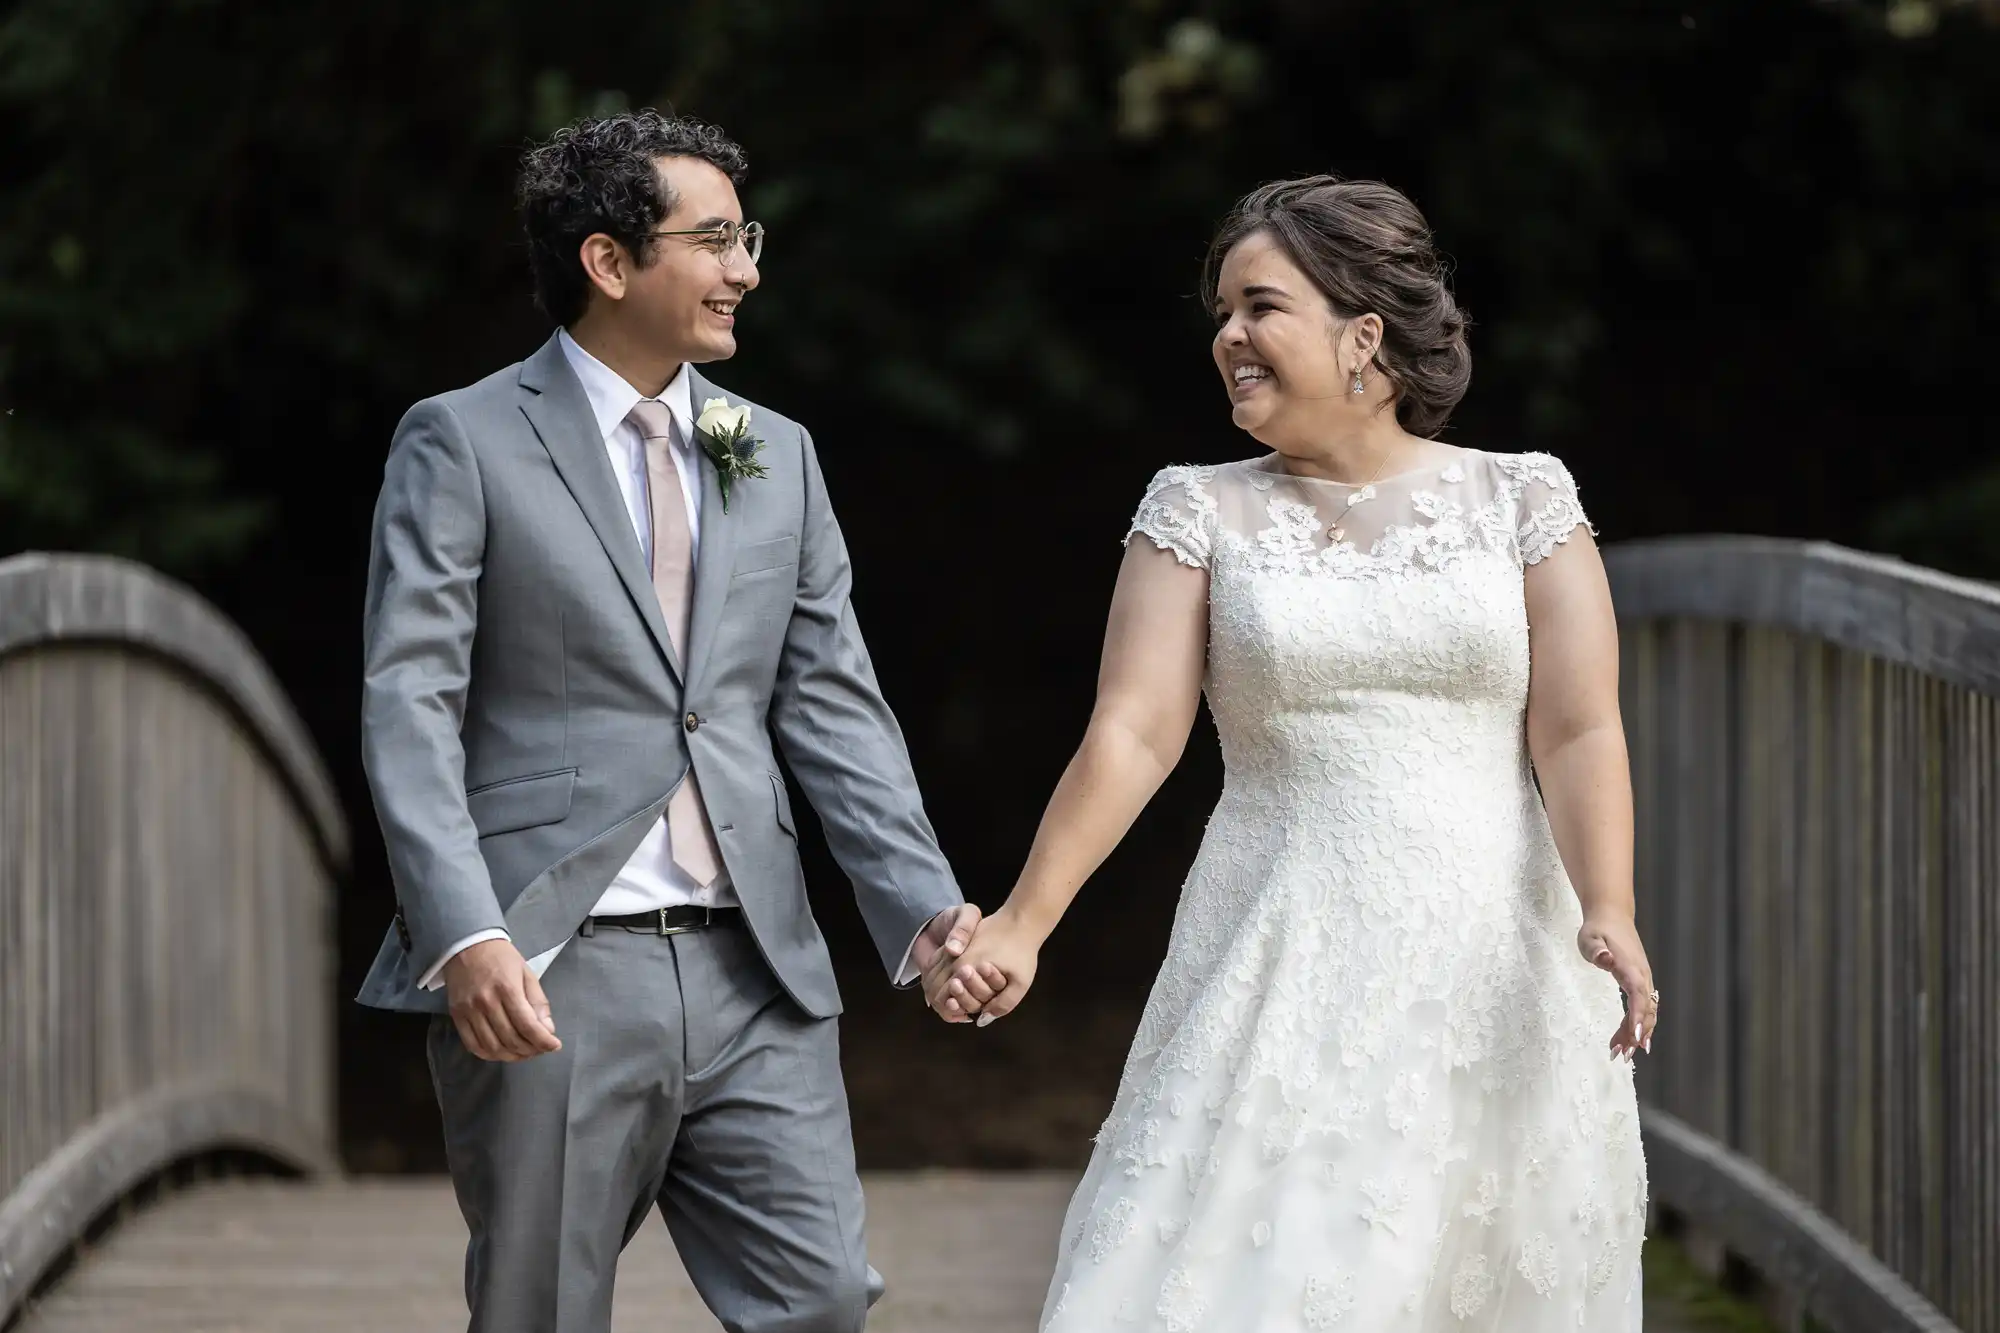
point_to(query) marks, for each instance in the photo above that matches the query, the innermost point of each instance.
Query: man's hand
(497, 1003)
(943, 941)
(947, 933)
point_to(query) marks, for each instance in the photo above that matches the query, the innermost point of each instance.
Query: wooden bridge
(1814, 738)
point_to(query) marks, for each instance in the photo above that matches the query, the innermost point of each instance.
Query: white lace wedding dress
(1372, 1088)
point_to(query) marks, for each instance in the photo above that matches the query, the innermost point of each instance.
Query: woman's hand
(1609, 940)
(991, 977)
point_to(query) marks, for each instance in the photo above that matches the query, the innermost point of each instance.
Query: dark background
(1739, 264)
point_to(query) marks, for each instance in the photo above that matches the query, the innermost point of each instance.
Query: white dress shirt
(650, 879)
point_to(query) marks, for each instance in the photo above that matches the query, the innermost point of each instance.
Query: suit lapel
(561, 415)
(718, 543)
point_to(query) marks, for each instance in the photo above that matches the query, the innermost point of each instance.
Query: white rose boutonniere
(726, 439)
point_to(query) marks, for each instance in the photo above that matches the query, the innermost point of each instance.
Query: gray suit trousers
(689, 1081)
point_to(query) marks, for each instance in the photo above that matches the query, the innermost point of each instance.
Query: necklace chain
(1358, 494)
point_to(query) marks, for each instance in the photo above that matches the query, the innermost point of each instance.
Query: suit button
(693, 722)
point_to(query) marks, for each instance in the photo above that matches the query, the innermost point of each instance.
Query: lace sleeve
(1178, 514)
(1547, 512)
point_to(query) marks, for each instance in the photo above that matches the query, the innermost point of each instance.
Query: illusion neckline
(1271, 467)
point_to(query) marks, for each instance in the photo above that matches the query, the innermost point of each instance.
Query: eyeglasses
(724, 239)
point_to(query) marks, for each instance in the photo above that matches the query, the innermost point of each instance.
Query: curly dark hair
(1368, 249)
(603, 175)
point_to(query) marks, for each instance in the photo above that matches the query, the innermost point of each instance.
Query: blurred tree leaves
(1198, 76)
(1954, 527)
(1738, 263)
(1716, 252)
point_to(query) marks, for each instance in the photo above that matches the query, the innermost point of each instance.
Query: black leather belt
(666, 920)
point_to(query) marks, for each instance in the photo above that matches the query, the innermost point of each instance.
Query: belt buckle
(666, 929)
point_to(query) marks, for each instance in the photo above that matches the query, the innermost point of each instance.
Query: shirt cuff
(907, 974)
(433, 978)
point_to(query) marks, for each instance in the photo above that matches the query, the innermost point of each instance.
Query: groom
(600, 587)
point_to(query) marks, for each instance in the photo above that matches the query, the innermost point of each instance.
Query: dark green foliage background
(1739, 264)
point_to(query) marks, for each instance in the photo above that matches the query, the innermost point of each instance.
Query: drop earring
(1358, 385)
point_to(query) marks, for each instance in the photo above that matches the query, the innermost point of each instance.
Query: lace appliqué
(1181, 1307)
(1538, 1263)
(1546, 497)
(1328, 1300)
(1470, 1286)
(1178, 514)
(1114, 1228)
(1386, 1202)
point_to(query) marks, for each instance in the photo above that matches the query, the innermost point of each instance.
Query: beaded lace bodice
(1370, 1087)
(1414, 614)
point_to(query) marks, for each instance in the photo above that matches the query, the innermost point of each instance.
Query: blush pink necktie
(694, 849)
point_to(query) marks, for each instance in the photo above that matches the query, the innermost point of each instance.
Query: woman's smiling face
(1278, 343)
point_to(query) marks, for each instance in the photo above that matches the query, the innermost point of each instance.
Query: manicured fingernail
(1649, 1045)
(984, 1019)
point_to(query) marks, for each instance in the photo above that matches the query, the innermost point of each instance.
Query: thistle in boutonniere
(726, 439)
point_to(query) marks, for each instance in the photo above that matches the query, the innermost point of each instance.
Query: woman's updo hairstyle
(1368, 249)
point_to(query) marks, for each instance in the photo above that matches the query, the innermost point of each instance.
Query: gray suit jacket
(524, 716)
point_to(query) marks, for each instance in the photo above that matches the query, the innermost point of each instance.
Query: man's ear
(607, 264)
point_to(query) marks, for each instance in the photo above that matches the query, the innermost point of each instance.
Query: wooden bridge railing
(1816, 758)
(1815, 735)
(168, 847)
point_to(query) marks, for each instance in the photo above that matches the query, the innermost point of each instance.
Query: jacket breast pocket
(758, 557)
(523, 802)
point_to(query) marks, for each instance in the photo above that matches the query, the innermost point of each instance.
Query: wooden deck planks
(959, 1252)
(963, 1253)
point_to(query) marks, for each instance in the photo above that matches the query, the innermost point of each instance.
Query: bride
(1372, 1088)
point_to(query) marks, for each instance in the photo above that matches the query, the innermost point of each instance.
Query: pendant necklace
(1366, 491)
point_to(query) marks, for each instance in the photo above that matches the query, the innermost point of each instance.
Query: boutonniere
(726, 439)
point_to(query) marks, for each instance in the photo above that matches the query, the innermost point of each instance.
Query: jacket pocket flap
(759, 556)
(523, 802)
(784, 806)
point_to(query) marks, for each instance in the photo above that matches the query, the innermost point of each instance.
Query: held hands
(1610, 941)
(497, 1003)
(946, 936)
(990, 978)
(941, 944)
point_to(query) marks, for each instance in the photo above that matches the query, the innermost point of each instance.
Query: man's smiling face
(686, 298)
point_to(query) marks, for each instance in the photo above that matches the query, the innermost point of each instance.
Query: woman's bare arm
(1577, 741)
(1148, 688)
